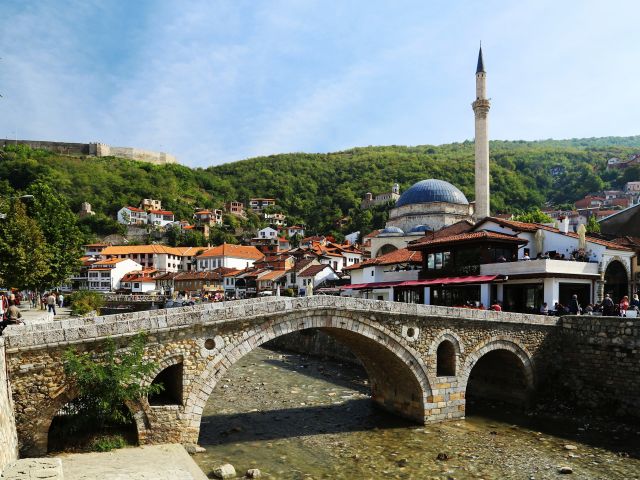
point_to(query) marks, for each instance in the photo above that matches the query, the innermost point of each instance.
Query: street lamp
(19, 197)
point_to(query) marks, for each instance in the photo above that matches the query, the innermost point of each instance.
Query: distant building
(105, 275)
(295, 230)
(132, 216)
(267, 232)
(381, 199)
(259, 204)
(208, 217)
(85, 210)
(151, 204)
(229, 256)
(277, 219)
(617, 163)
(234, 208)
(160, 218)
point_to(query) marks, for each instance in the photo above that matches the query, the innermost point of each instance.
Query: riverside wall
(600, 364)
(8, 435)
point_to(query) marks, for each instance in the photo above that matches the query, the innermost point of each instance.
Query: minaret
(481, 110)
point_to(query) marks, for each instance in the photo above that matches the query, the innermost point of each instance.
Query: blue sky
(217, 81)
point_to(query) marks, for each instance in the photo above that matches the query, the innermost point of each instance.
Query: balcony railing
(527, 267)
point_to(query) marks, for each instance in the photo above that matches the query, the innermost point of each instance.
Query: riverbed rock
(224, 471)
(565, 470)
(442, 456)
(253, 473)
(193, 448)
(570, 447)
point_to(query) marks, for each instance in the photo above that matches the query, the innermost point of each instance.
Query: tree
(59, 226)
(535, 215)
(24, 255)
(108, 381)
(592, 225)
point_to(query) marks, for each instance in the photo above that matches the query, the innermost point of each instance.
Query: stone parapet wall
(8, 435)
(601, 363)
(93, 328)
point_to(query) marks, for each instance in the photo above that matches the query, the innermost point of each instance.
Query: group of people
(606, 308)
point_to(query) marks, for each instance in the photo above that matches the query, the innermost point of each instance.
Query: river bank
(299, 417)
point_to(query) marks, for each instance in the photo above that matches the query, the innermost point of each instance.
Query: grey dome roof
(389, 231)
(432, 190)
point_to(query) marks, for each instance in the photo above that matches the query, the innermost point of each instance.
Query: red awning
(451, 280)
(472, 279)
(361, 286)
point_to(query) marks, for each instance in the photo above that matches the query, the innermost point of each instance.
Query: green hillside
(318, 189)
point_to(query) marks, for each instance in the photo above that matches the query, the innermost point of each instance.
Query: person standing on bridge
(61, 300)
(51, 303)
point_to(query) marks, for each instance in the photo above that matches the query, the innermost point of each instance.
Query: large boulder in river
(224, 471)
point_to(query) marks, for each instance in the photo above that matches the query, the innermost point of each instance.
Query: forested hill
(318, 189)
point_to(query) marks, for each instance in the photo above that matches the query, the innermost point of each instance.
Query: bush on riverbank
(84, 301)
(107, 382)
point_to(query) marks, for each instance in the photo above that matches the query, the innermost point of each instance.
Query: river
(304, 418)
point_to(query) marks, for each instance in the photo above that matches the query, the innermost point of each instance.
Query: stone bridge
(419, 358)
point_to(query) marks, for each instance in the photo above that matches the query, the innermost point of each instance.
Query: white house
(294, 230)
(229, 256)
(160, 218)
(314, 275)
(267, 232)
(137, 282)
(132, 216)
(382, 278)
(277, 219)
(105, 275)
(160, 257)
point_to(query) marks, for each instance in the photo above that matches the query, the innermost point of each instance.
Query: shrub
(106, 443)
(107, 381)
(84, 301)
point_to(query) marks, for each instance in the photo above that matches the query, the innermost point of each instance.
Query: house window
(136, 285)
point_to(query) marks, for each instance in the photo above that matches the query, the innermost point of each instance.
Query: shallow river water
(303, 418)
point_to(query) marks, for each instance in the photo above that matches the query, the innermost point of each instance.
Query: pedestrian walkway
(32, 316)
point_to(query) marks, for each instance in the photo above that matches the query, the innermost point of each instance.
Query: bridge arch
(397, 373)
(445, 352)
(38, 443)
(512, 359)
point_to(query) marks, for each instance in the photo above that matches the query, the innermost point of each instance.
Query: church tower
(481, 107)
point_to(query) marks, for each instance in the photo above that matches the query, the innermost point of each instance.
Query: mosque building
(440, 249)
(432, 204)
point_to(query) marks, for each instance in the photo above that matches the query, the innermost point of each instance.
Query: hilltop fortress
(96, 150)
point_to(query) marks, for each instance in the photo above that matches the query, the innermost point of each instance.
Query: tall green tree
(592, 225)
(24, 255)
(59, 225)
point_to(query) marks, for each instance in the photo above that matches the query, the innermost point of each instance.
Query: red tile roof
(467, 237)
(161, 212)
(532, 227)
(403, 255)
(312, 270)
(135, 209)
(236, 251)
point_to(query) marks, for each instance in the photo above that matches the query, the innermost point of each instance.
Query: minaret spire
(480, 67)
(481, 108)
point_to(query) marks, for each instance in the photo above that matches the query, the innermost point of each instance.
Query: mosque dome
(391, 232)
(432, 190)
(420, 230)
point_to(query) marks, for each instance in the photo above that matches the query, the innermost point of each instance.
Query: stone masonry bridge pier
(419, 358)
